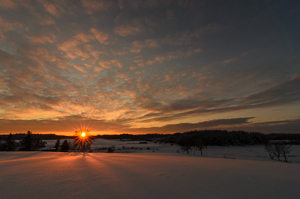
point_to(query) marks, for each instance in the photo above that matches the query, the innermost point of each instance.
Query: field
(161, 172)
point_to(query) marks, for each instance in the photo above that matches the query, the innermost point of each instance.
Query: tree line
(218, 138)
(28, 143)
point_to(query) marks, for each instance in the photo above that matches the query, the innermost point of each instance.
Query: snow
(145, 174)
(250, 152)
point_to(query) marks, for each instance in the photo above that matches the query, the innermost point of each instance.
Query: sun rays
(83, 140)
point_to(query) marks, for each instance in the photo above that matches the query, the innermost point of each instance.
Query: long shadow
(21, 155)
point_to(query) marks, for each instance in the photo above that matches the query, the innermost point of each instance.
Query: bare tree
(199, 143)
(270, 150)
(277, 150)
(285, 149)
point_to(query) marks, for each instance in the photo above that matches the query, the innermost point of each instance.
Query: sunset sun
(83, 140)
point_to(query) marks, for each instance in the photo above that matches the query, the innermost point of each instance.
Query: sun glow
(83, 140)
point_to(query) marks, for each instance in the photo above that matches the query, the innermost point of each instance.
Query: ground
(144, 175)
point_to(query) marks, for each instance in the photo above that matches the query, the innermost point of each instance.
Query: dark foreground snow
(143, 176)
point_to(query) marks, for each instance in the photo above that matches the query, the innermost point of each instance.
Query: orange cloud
(7, 26)
(110, 63)
(79, 68)
(100, 36)
(84, 38)
(97, 69)
(7, 4)
(47, 21)
(71, 46)
(127, 30)
(51, 8)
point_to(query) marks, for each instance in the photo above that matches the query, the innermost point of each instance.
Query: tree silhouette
(285, 149)
(27, 142)
(57, 145)
(278, 149)
(37, 144)
(186, 143)
(10, 143)
(269, 149)
(65, 147)
(199, 143)
(31, 144)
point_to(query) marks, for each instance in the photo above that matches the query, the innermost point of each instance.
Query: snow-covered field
(256, 152)
(144, 174)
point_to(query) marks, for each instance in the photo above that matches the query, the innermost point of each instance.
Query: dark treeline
(20, 136)
(147, 137)
(283, 136)
(218, 138)
(212, 137)
(28, 143)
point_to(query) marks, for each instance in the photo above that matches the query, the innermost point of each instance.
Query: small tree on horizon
(277, 150)
(26, 143)
(199, 143)
(186, 143)
(57, 145)
(269, 149)
(285, 149)
(65, 147)
(31, 144)
(10, 143)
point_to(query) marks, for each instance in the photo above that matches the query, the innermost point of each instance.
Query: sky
(149, 66)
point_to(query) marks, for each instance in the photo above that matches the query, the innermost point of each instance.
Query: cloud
(66, 125)
(7, 4)
(7, 59)
(69, 124)
(42, 39)
(176, 55)
(72, 47)
(97, 69)
(284, 93)
(110, 63)
(80, 68)
(8, 26)
(92, 6)
(138, 5)
(281, 94)
(102, 37)
(145, 62)
(281, 126)
(53, 8)
(47, 21)
(137, 46)
(236, 58)
(182, 127)
(127, 30)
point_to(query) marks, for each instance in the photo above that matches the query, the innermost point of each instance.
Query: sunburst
(83, 140)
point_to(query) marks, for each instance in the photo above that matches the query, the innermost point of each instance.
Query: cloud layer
(148, 66)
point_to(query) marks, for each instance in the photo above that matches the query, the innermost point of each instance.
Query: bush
(111, 149)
